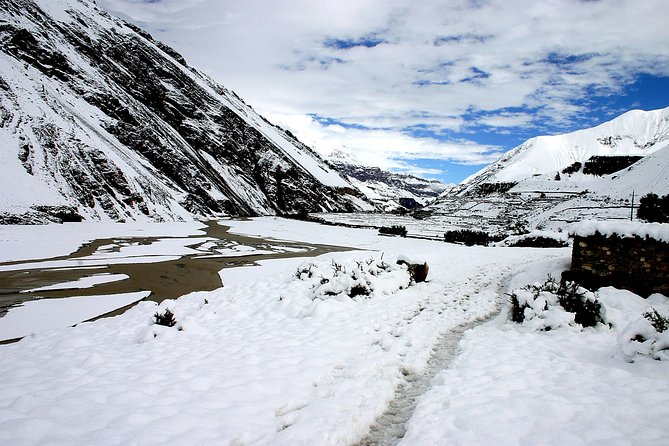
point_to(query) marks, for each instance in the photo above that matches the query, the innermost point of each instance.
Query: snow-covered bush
(393, 230)
(646, 336)
(549, 306)
(583, 303)
(469, 237)
(537, 305)
(166, 319)
(353, 279)
(537, 239)
(660, 323)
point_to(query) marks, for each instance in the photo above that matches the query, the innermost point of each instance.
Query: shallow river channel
(165, 277)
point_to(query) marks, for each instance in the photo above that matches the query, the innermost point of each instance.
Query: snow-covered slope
(603, 198)
(636, 132)
(99, 121)
(529, 187)
(650, 174)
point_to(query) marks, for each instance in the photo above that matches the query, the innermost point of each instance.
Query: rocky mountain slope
(99, 121)
(389, 191)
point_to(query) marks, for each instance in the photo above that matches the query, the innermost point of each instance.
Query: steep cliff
(99, 121)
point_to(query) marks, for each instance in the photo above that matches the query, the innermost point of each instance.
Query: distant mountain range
(389, 191)
(99, 121)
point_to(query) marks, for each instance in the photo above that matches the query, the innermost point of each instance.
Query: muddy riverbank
(164, 275)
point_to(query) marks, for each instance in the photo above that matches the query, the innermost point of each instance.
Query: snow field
(128, 243)
(509, 387)
(84, 282)
(42, 315)
(21, 242)
(260, 361)
(269, 360)
(514, 384)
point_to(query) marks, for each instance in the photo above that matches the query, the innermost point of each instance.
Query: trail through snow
(389, 428)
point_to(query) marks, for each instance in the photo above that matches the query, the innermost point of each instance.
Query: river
(168, 278)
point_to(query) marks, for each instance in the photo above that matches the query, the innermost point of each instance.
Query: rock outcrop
(100, 121)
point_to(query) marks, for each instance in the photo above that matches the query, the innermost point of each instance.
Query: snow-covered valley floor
(279, 356)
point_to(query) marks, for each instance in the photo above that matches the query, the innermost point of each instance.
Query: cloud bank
(393, 81)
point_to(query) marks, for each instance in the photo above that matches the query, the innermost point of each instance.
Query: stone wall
(637, 264)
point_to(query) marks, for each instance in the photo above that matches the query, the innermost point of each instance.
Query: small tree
(659, 322)
(653, 208)
(519, 227)
(574, 299)
(517, 310)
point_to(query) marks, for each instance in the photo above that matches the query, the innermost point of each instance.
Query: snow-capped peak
(636, 132)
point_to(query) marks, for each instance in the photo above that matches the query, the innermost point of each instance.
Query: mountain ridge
(390, 191)
(635, 132)
(99, 121)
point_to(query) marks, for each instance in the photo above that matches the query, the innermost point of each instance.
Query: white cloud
(382, 147)
(433, 64)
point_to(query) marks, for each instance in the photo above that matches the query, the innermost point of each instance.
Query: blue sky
(435, 88)
(646, 92)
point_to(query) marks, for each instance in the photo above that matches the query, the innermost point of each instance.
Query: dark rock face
(604, 165)
(409, 203)
(130, 130)
(485, 189)
(42, 215)
(416, 186)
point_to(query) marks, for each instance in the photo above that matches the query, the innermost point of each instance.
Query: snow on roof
(625, 229)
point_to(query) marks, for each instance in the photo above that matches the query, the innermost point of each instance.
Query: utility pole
(632, 208)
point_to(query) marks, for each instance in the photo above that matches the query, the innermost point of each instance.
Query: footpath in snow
(282, 356)
(516, 384)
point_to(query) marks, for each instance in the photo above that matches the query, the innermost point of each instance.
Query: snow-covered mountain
(636, 132)
(389, 191)
(550, 181)
(100, 121)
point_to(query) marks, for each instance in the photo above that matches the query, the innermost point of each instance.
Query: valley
(179, 267)
(143, 268)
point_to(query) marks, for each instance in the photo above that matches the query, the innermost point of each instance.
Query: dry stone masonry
(637, 262)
